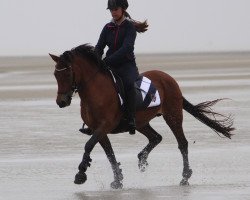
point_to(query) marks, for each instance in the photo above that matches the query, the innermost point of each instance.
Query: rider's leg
(130, 110)
(129, 75)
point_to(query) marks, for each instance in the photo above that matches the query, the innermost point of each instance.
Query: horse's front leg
(118, 177)
(81, 177)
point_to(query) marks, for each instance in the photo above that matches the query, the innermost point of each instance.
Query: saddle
(146, 93)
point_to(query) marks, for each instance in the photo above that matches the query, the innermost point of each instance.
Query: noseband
(60, 70)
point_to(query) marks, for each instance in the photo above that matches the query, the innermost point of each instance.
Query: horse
(81, 70)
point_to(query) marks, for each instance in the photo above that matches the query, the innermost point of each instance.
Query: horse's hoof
(184, 182)
(143, 165)
(80, 178)
(116, 185)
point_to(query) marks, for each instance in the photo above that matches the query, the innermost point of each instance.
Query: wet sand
(40, 146)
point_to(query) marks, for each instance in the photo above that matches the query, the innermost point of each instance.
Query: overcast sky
(37, 27)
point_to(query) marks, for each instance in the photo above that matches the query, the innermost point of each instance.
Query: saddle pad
(146, 93)
(149, 94)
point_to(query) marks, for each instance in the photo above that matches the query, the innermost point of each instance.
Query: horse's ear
(55, 58)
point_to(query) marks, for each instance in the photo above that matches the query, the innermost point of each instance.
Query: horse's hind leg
(118, 177)
(175, 124)
(154, 139)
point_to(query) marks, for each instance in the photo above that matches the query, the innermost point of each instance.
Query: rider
(119, 35)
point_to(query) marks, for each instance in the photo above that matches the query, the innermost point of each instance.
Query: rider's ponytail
(140, 27)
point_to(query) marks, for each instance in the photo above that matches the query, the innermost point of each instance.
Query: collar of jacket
(113, 21)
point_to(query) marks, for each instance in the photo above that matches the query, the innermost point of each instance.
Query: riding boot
(130, 110)
(86, 131)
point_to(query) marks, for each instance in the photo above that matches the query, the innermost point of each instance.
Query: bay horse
(81, 69)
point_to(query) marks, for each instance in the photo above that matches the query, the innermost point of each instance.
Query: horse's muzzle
(63, 100)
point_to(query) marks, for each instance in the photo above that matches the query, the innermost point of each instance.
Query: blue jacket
(120, 40)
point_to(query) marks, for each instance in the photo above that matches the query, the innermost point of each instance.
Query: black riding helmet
(112, 4)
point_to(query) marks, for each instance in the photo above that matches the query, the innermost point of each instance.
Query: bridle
(60, 70)
(74, 87)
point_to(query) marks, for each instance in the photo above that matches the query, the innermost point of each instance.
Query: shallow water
(40, 146)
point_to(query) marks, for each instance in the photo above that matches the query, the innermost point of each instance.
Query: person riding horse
(80, 70)
(119, 35)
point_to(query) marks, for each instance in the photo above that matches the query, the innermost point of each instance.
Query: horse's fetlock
(82, 167)
(116, 167)
(86, 162)
(143, 155)
(118, 176)
(158, 139)
(187, 173)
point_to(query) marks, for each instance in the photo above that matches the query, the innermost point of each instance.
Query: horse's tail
(201, 112)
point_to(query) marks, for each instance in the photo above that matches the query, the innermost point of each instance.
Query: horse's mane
(88, 51)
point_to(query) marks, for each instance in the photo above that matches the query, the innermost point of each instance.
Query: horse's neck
(87, 71)
(96, 85)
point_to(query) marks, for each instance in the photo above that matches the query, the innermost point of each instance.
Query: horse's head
(65, 79)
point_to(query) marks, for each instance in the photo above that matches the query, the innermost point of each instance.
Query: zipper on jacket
(116, 36)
